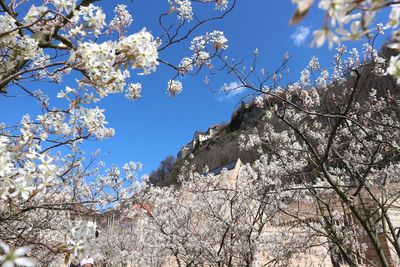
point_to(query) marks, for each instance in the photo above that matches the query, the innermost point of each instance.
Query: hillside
(219, 145)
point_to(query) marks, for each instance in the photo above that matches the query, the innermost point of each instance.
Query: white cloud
(300, 35)
(230, 90)
(233, 88)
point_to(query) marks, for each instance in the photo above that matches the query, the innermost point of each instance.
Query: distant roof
(229, 166)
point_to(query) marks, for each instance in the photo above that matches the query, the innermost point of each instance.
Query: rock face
(219, 145)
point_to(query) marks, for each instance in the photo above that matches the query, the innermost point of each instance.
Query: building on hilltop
(199, 138)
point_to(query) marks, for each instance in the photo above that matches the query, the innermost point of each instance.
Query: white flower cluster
(185, 66)
(132, 168)
(394, 68)
(174, 87)
(81, 235)
(121, 21)
(314, 64)
(203, 58)
(133, 92)
(33, 172)
(64, 5)
(259, 101)
(347, 19)
(91, 52)
(51, 121)
(216, 39)
(15, 257)
(141, 50)
(93, 18)
(102, 62)
(183, 8)
(7, 24)
(78, 121)
(394, 17)
(98, 61)
(322, 80)
(199, 45)
(35, 15)
(28, 48)
(220, 4)
(15, 47)
(85, 22)
(305, 77)
(103, 133)
(94, 121)
(345, 60)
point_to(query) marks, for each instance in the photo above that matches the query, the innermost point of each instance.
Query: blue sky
(156, 126)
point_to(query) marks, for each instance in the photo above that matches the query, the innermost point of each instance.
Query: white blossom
(16, 257)
(133, 92)
(186, 65)
(218, 40)
(394, 68)
(121, 21)
(93, 17)
(141, 49)
(174, 87)
(183, 8)
(221, 4)
(314, 64)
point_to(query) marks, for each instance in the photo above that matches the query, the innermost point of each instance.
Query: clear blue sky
(156, 126)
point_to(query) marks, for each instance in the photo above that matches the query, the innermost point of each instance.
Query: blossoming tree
(44, 176)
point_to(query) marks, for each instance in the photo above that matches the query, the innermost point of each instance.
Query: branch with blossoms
(354, 20)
